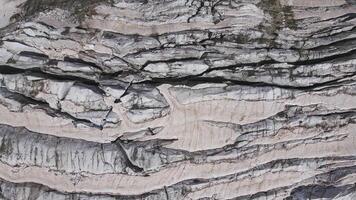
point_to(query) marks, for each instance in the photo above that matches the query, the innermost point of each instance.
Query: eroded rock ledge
(147, 99)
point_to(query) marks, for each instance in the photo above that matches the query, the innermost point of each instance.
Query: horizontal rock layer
(148, 99)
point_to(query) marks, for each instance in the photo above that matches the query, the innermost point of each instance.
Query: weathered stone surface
(178, 99)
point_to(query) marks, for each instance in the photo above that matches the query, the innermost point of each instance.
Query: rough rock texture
(178, 99)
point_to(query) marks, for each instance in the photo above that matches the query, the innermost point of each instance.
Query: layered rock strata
(178, 99)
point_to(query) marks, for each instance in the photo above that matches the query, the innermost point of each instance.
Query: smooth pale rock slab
(8, 9)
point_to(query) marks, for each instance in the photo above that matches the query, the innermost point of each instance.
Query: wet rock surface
(183, 99)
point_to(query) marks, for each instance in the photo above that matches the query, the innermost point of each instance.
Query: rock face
(177, 99)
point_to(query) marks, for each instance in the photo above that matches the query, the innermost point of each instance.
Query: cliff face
(178, 99)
